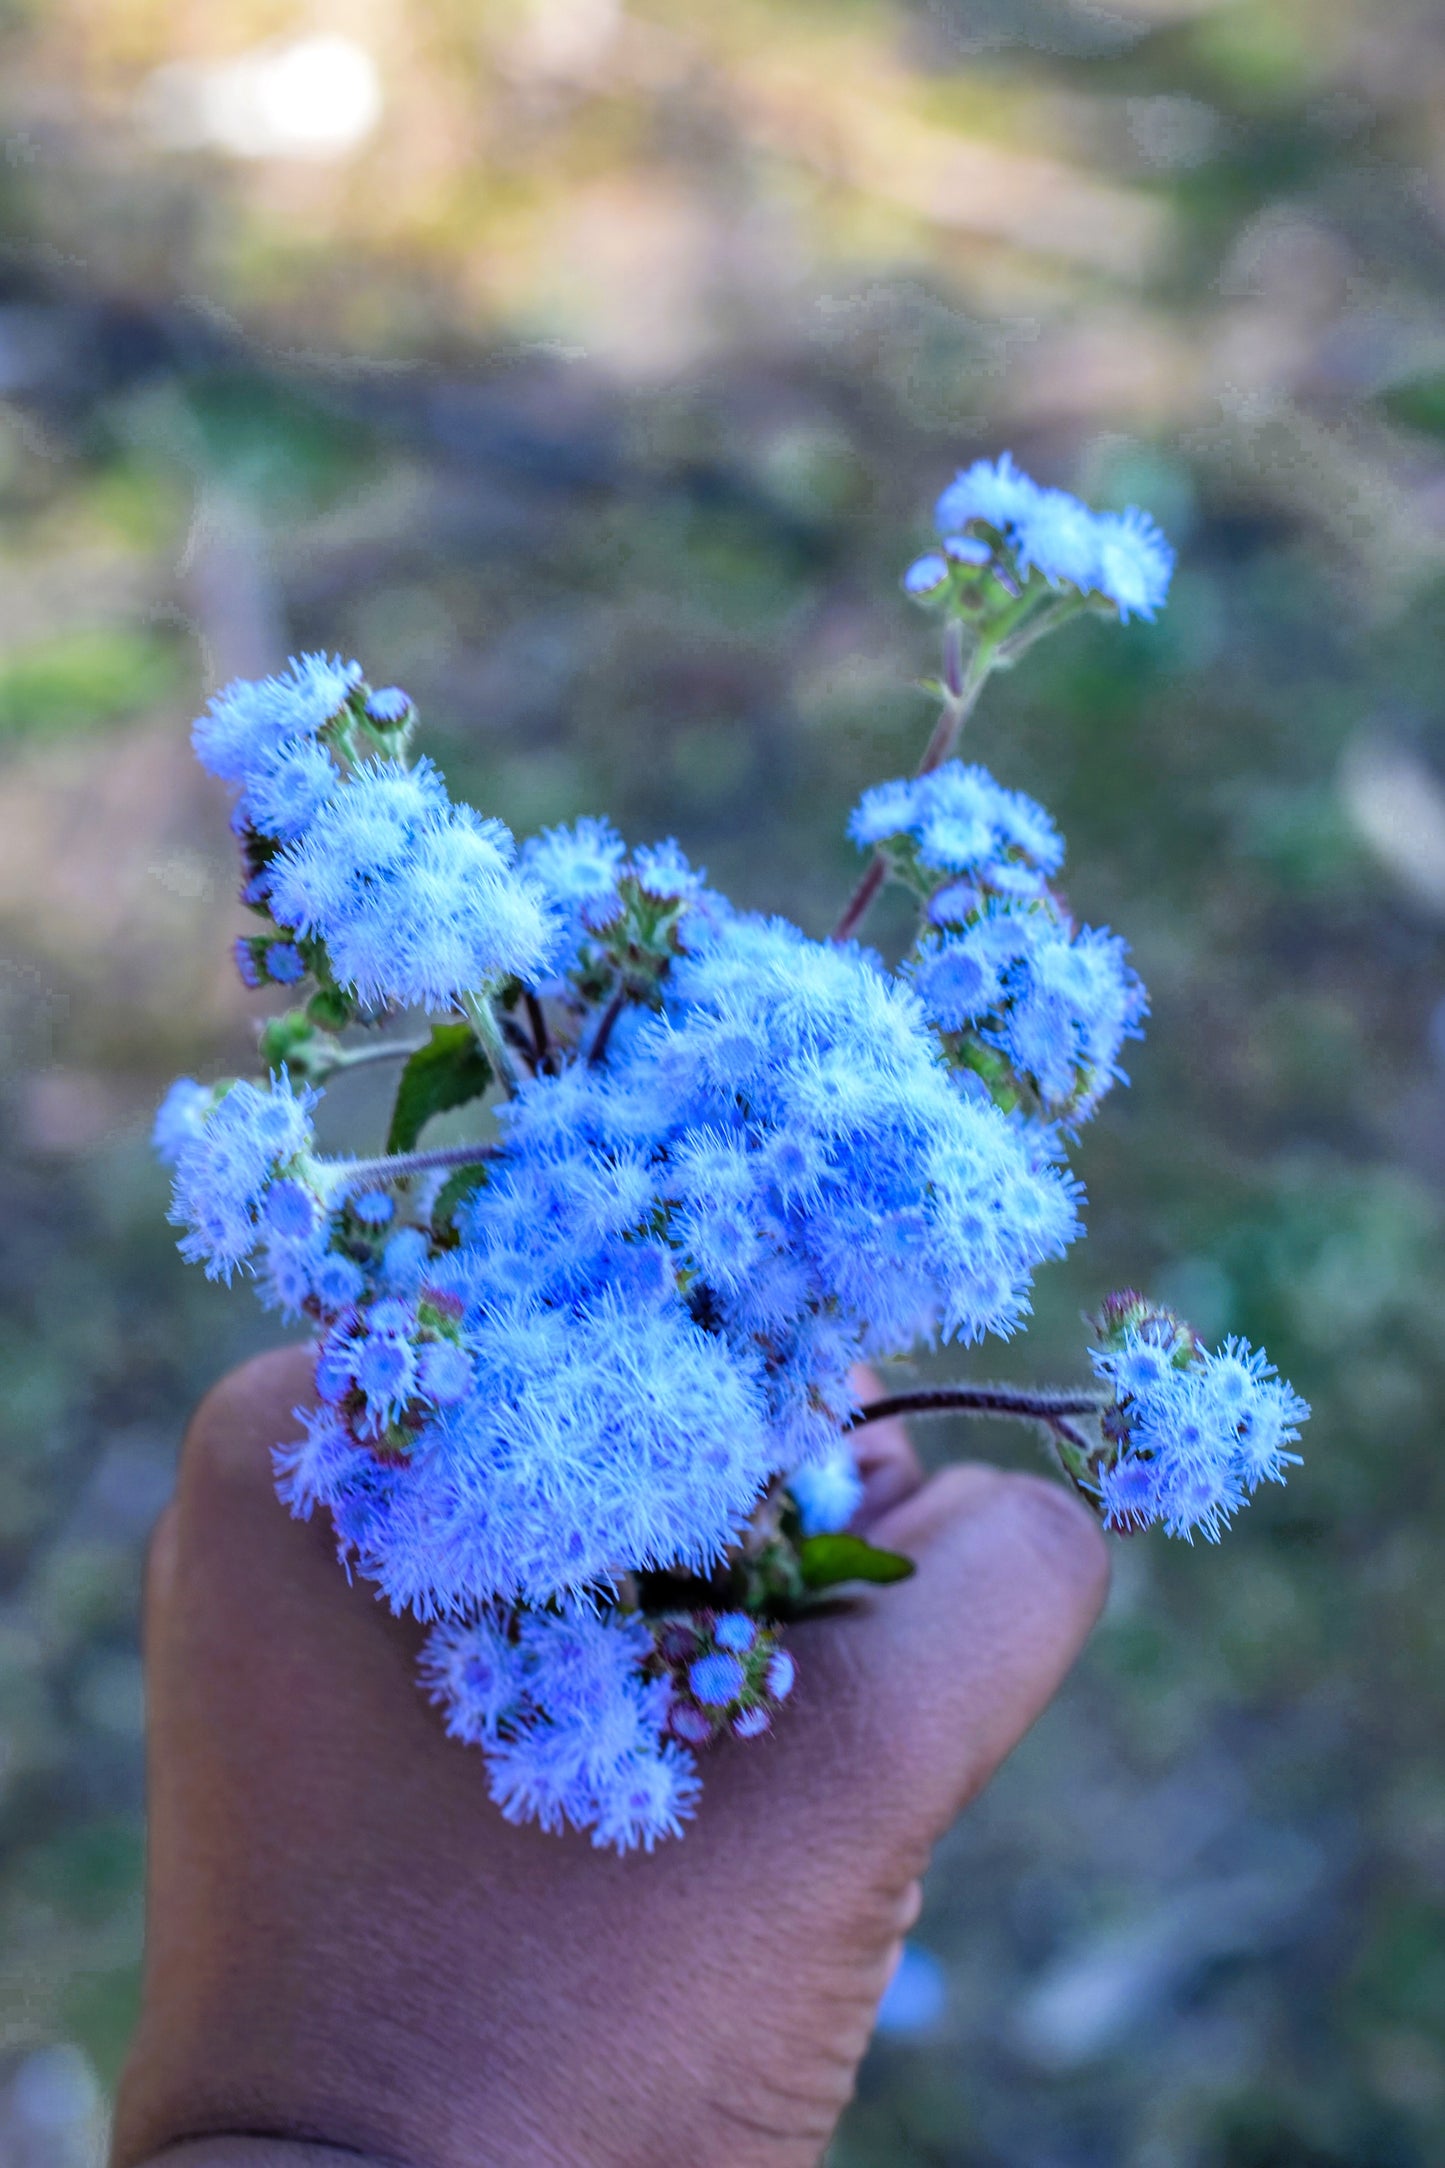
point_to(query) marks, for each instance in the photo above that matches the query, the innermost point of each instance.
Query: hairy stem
(861, 897)
(957, 708)
(1049, 619)
(396, 1166)
(1040, 1405)
(614, 1008)
(537, 1018)
(359, 1057)
(963, 685)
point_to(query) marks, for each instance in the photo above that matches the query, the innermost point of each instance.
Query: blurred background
(589, 367)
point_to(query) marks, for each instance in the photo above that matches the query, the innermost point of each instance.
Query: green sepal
(329, 1009)
(447, 1072)
(824, 1561)
(287, 1041)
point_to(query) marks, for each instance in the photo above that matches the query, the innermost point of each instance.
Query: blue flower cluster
(993, 505)
(1037, 1006)
(574, 1727)
(956, 825)
(661, 1286)
(234, 1168)
(1193, 1434)
(402, 897)
(607, 1353)
(416, 900)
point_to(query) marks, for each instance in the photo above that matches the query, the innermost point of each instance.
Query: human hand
(347, 1946)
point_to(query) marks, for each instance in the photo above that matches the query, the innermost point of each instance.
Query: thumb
(911, 1696)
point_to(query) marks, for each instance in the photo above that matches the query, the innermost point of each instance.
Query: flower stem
(537, 1017)
(1043, 1404)
(1048, 620)
(347, 1174)
(359, 1057)
(962, 699)
(610, 1014)
(963, 685)
(861, 897)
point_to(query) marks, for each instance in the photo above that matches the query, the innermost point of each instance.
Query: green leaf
(1418, 403)
(827, 1560)
(453, 1190)
(448, 1071)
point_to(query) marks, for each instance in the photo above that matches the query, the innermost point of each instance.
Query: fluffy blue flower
(782, 1674)
(571, 1726)
(958, 820)
(474, 1670)
(404, 1261)
(1196, 1433)
(320, 1465)
(445, 1373)
(248, 722)
(286, 1269)
(285, 964)
(337, 1283)
(222, 1176)
(578, 866)
(645, 1798)
(994, 491)
(373, 1207)
(1058, 1004)
(180, 1118)
(1120, 555)
(827, 1493)
(384, 1365)
(577, 870)
(594, 1442)
(1061, 537)
(1136, 563)
(958, 981)
(716, 1679)
(284, 793)
(417, 900)
(662, 872)
(292, 1209)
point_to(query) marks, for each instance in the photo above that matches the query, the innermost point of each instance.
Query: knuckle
(1062, 1532)
(229, 1438)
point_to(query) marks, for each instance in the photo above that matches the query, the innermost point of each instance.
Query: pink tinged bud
(246, 964)
(690, 1725)
(677, 1642)
(751, 1723)
(781, 1674)
(444, 1302)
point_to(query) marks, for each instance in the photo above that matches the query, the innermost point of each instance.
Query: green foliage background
(598, 394)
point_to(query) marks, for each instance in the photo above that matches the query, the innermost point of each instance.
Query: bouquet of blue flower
(585, 1385)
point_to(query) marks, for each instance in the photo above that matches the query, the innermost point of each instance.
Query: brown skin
(349, 1949)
